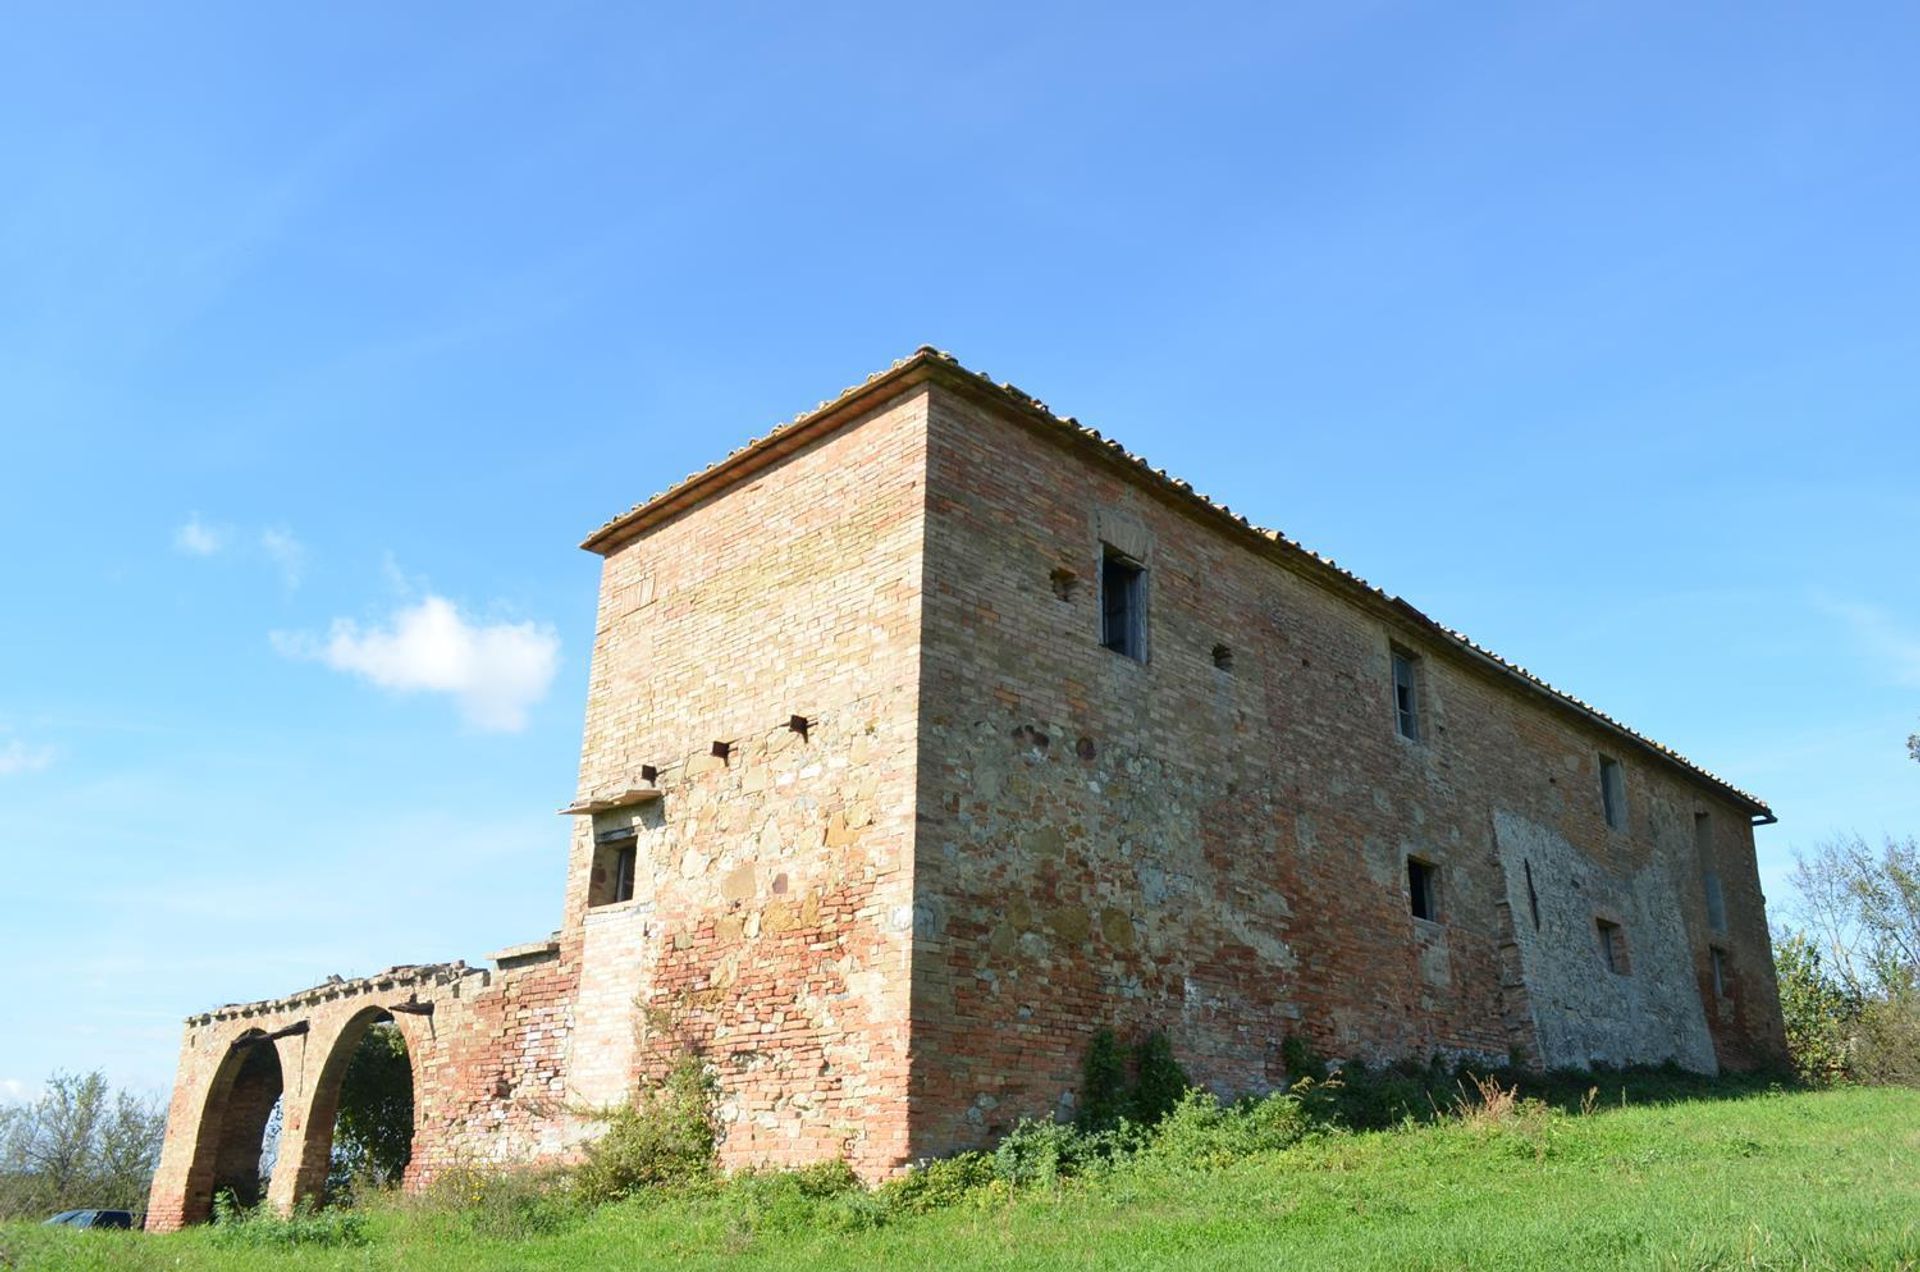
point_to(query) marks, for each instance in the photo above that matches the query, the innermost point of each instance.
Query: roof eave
(763, 452)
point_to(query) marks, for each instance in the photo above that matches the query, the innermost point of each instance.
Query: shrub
(260, 1227)
(1298, 1055)
(1818, 1010)
(1201, 1132)
(505, 1205)
(1040, 1152)
(664, 1137)
(1887, 1049)
(943, 1182)
(1158, 1082)
(1365, 1099)
(826, 1195)
(1104, 1099)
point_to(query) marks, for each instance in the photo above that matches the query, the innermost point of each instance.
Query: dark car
(93, 1219)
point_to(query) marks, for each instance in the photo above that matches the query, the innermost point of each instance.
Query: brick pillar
(306, 1142)
(306, 1134)
(222, 1097)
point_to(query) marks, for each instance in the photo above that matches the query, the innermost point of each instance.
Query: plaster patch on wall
(1582, 1013)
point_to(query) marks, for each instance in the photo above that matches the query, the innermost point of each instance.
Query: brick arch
(307, 1137)
(232, 1123)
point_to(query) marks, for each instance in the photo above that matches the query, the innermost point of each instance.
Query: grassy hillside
(1825, 1179)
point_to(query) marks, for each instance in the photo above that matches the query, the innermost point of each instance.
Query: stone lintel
(587, 806)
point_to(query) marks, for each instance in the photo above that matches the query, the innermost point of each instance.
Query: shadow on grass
(1364, 1098)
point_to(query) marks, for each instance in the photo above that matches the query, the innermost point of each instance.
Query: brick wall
(487, 1054)
(1220, 852)
(769, 923)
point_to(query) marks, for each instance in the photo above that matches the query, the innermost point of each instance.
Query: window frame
(1423, 888)
(1409, 720)
(618, 853)
(1613, 946)
(1613, 792)
(1130, 640)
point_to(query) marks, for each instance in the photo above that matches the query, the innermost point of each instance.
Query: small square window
(1613, 792)
(1613, 946)
(1406, 694)
(1422, 889)
(1123, 604)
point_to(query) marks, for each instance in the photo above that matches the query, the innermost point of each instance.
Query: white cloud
(197, 538)
(495, 671)
(286, 552)
(17, 757)
(275, 543)
(14, 1091)
(1881, 638)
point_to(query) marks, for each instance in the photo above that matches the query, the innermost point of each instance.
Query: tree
(1850, 980)
(127, 1151)
(373, 1132)
(1863, 907)
(1820, 1015)
(80, 1144)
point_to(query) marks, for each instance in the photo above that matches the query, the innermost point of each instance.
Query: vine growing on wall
(1141, 1088)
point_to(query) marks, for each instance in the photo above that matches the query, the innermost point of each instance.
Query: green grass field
(1823, 1179)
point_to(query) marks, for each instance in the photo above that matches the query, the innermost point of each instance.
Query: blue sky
(326, 332)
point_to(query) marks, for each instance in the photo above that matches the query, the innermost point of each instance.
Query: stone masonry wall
(769, 926)
(1220, 852)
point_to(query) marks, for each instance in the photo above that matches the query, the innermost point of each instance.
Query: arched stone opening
(363, 1102)
(233, 1126)
(374, 1115)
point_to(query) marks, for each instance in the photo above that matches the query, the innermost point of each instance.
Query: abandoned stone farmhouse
(932, 733)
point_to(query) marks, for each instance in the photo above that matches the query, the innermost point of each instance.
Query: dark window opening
(1223, 657)
(1613, 946)
(1422, 894)
(1533, 898)
(1406, 695)
(615, 857)
(1123, 605)
(1722, 983)
(1613, 792)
